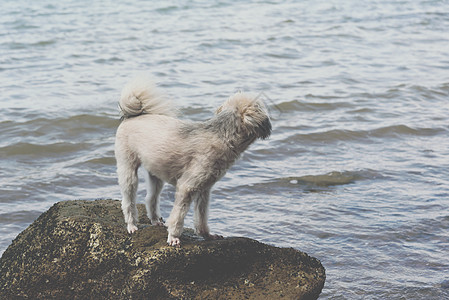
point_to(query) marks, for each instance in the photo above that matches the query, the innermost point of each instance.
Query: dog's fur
(189, 155)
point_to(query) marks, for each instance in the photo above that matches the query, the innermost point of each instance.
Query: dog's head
(250, 114)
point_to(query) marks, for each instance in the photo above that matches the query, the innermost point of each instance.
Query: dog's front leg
(201, 212)
(175, 222)
(201, 216)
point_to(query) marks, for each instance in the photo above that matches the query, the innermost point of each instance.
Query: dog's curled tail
(141, 96)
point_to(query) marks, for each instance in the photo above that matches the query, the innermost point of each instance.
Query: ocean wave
(296, 105)
(329, 179)
(36, 150)
(334, 135)
(312, 183)
(41, 131)
(83, 120)
(31, 119)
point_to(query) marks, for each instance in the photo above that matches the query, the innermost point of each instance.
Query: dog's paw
(173, 241)
(212, 237)
(158, 222)
(132, 228)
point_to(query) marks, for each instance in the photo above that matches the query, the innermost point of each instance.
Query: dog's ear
(255, 118)
(264, 130)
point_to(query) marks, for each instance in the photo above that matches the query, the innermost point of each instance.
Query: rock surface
(81, 250)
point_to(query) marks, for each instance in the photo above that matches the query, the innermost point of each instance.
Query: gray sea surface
(356, 172)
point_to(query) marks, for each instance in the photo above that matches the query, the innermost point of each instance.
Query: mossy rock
(81, 250)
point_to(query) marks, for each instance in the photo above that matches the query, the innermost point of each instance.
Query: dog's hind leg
(201, 216)
(128, 181)
(154, 188)
(175, 222)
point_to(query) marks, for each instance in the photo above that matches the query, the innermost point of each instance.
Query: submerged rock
(81, 250)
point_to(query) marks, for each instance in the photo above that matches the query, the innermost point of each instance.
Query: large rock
(81, 250)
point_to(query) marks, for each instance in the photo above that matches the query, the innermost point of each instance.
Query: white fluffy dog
(189, 155)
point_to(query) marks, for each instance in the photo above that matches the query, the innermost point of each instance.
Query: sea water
(355, 172)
